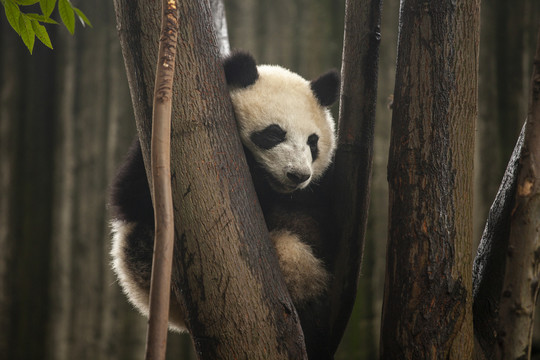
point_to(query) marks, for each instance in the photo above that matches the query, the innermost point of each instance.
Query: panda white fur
(289, 140)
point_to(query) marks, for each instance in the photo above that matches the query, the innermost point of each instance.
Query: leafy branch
(29, 25)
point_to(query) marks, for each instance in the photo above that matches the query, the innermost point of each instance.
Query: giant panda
(289, 140)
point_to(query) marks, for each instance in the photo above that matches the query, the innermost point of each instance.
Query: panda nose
(297, 178)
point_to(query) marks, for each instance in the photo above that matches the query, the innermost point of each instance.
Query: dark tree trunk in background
(26, 160)
(506, 268)
(220, 23)
(65, 122)
(427, 303)
(520, 286)
(223, 254)
(304, 36)
(92, 108)
(508, 39)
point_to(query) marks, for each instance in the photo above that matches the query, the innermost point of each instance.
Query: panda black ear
(326, 88)
(240, 69)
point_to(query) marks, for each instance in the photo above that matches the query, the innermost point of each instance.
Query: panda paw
(304, 274)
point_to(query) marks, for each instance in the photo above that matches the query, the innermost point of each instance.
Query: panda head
(283, 120)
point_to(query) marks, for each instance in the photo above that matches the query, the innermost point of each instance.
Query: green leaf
(13, 13)
(84, 20)
(27, 32)
(42, 34)
(67, 15)
(26, 2)
(41, 18)
(47, 7)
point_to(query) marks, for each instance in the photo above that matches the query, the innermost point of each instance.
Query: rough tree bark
(520, 285)
(354, 156)
(235, 297)
(490, 261)
(427, 303)
(506, 266)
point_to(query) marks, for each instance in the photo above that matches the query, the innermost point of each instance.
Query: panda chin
(284, 189)
(280, 187)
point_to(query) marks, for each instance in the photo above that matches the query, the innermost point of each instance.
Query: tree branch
(506, 266)
(160, 286)
(520, 286)
(490, 261)
(354, 156)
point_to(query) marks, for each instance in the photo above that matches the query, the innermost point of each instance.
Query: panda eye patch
(312, 142)
(268, 137)
(313, 139)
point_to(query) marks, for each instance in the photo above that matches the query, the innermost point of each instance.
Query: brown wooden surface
(160, 285)
(427, 303)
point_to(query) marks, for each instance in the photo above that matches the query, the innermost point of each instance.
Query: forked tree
(212, 223)
(220, 233)
(429, 302)
(222, 250)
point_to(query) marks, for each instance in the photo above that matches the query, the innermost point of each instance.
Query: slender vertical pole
(156, 341)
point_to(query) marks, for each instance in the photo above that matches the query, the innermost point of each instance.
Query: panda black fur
(289, 141)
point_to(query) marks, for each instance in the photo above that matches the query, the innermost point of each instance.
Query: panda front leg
(305, 275)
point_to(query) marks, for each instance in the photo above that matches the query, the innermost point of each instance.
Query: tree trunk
(503, 278)
(507, 43)
(354, 156)
(235, 297)
(490, 261)
(220, 24)
(427, 302)
(361, 339)
(25, 178)
(520, 285)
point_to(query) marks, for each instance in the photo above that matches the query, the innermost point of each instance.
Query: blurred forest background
(66, 122)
